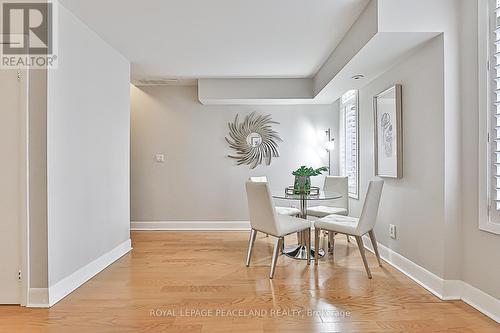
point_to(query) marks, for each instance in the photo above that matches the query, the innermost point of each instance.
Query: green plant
(304, 171)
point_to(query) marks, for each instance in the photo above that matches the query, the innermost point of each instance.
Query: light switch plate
(160, 158)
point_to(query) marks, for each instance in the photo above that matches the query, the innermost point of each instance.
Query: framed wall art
(387, 109)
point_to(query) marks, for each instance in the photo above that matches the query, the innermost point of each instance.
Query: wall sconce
(329, 146)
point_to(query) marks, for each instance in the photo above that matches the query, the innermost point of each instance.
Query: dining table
(299, 250)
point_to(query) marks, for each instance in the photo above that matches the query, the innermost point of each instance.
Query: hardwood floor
(197, 282)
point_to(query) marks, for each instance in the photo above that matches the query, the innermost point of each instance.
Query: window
(494, 117)
(489, 50)
(349, 156)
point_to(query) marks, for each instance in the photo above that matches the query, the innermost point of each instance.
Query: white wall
(415, 203)
(198, 182)
(87, 150)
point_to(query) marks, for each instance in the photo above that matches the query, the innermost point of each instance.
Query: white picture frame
(388, 123)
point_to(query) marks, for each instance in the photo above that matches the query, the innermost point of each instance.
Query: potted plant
(302, 184)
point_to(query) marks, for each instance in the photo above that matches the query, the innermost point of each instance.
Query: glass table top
(323, 195)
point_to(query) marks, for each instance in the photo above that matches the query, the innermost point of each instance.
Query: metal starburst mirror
(254, 140)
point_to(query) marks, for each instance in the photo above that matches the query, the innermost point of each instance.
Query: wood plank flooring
(197, 282)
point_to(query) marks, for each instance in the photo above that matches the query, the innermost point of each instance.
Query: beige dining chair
(264, 218)
(352, 226)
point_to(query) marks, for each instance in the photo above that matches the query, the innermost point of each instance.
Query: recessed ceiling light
(358, 77)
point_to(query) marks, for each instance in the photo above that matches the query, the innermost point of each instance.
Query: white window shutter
(349, 141)
(494, 118)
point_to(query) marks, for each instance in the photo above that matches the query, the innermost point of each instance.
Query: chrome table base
(300, 252)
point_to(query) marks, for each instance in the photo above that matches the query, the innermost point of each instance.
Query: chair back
(370, 207)
(261, 179)
(263, 216)
(339, 185)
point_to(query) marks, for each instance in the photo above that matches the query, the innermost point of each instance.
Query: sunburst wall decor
(254, 140)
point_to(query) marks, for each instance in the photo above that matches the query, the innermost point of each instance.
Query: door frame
(21, 80)
(24, 78)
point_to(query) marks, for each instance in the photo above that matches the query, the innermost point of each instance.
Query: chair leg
(251, 241)
(308, 245)
(282, 246)
(331, 241)
(324, 243)
(316, 245)
(361, 247)
(277, 245)
(375, 246)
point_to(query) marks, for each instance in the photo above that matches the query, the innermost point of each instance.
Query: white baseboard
(67, 285)
(38, 298)
(190, 225)
(452, 290)
(481, 301)
(444, 289)
(420, 275)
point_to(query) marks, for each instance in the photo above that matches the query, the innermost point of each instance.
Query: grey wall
(480, 267)
(415, 203)
(440, 16)
(88, 121)
(198, 182)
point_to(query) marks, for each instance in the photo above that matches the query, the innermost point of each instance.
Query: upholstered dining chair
(264, 218)
(290, 211)
(340, 206)
(353, 226)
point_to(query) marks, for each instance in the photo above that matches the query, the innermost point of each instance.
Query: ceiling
(220, 38)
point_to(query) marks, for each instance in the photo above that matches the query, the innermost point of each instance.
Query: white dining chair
(264, 218)
(338, 206)
(290, 211)
(352, 226)
(338, 184)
